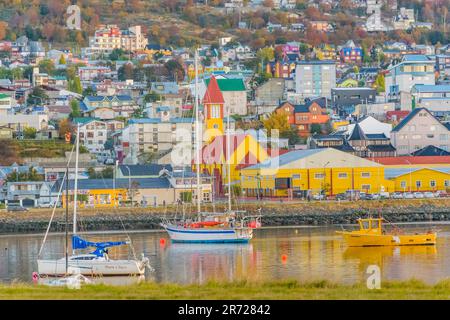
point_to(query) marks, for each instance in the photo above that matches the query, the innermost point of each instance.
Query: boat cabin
(371, 225)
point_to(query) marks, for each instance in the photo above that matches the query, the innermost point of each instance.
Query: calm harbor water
(302, 253)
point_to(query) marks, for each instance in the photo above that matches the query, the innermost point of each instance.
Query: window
(342, 176)
(447, 183)
(365, 174)
(418, 183)
(433, 183)
(319, 176)
(365, 187)
(295, 176)
(403, 184)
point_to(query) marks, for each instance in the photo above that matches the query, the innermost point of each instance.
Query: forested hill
(181, 23)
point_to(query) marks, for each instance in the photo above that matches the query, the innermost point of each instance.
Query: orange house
(288, 109)
(305, 115)
(312, 112)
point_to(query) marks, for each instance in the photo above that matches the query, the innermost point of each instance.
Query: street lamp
(324, 176)
(410, 175)
(129, 185)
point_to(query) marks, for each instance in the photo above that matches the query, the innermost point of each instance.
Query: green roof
(4, 96)
(229, 84)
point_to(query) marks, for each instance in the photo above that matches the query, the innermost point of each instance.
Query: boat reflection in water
(376, 255)
(199, 263)
(397, 263)
(114, 281)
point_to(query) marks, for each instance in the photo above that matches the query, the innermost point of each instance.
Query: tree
(62, 59)
(89, 91)
(152, 97)
(9, 152)
(47, 66)
(37, 96)
(116, 54)
(316, 128)
(75, 106)
(30, 175)
(379, 83)
(65, 126)
(277, 121)
(107, 173)
(75, 85)
(29, 133)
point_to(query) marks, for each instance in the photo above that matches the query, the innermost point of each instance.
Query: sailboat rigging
(229, 226)
(92, 264)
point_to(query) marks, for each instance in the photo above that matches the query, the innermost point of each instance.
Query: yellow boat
(371, 233)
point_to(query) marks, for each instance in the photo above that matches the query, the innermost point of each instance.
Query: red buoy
(283, 258)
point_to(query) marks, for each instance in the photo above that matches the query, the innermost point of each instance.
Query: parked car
(384, 195)
(341, 196)
(397, 195)
(109, 161)
(46, 205)
(418, 195)
(318, 196)
(376, 196)
(16, 208)
(428, 194)
(363, 196)
(440, 194)
(408, 195)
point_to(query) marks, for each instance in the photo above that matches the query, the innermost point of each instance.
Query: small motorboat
(371, 233)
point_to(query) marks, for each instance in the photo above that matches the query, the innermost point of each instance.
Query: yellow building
(314, 170)
(414, 179)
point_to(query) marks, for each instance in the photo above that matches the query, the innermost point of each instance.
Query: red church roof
(213, 93)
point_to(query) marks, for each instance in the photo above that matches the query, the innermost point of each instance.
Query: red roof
(406, 160)
(213, 93)
(400, 114)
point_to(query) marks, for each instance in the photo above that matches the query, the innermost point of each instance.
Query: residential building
(268, 96)
(108, 107)
(315, 78)
(93, 133)
(350, 53)
(404, 19)
(344, 100)
(110, 37)
(435, 98)
(418, 130)
(412, 70)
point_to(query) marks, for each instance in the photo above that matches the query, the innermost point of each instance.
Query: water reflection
(304, 254)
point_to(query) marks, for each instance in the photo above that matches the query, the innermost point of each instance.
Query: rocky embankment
(274, 214)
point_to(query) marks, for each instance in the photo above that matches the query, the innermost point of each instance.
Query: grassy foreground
(288, 289)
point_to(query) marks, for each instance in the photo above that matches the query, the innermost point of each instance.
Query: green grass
(44, 148)
(286, 289)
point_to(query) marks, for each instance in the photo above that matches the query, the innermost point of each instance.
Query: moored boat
(372, 233)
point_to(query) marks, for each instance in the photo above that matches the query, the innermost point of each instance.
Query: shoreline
(237, 290)
(274, 215)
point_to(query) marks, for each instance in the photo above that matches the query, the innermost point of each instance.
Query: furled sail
(79, 243)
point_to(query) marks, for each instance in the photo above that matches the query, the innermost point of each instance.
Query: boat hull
(209, 235)
(91, 268)
(371, 240)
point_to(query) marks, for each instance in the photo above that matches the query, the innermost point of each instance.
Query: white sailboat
(96, 263)
(225, 227)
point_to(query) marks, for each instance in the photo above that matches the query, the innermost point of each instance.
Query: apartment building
(315, 78)
(412, 70)
(110, 37)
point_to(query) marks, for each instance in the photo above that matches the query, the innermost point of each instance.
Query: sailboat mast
(75, 198)
(228, 159)
(67, 218)
(197, 134)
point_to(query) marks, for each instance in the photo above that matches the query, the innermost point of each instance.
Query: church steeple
(213, 104)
